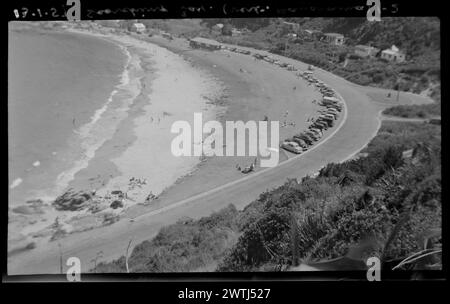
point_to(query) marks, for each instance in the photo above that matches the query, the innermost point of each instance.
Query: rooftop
(334, 35)
(393, 50)
(365, 47)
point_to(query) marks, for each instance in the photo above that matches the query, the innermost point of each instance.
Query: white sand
(178, 91)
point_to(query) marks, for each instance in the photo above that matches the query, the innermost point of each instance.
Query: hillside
(417, 37)
(391, 194)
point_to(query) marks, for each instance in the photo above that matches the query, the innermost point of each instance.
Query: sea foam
(104, 121)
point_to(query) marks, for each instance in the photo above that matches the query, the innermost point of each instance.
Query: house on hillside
(218, 26)
(138, 28)
(366, 51)
(393, 54)
(199, 42)
(235, 32)
(312, 34)
(334, 38)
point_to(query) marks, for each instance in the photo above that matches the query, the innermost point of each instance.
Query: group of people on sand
(137, 182)
(248, 168)
(285, 123)
(159, 119)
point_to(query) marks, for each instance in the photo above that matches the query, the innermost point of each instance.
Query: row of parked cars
(272, 60)
(266, 58)
(236, 50)
(330, 112)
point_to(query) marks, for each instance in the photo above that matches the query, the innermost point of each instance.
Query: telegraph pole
(285, 46)
(398, 88)
(60, 259)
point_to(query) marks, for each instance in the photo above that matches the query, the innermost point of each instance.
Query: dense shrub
(318, 218)
(415, 111)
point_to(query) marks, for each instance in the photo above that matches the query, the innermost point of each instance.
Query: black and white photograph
(223, 145)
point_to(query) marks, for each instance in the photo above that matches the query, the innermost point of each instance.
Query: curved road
(356, 131)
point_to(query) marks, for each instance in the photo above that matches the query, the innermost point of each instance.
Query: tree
(227, 30)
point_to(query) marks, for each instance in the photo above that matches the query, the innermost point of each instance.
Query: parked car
(335, 113)
(300, 142)
(337, 107)
(320, 124)
(308, 139)
(332, 110)
(292, 146)
(330, 116)
(328, 121)
(316, 131)
(314, 136)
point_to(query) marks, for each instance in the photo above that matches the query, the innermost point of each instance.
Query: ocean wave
(85, 130)
(15, 183)
(104, 121)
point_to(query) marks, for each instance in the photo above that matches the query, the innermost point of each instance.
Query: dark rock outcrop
(72, 201)
(116, 204)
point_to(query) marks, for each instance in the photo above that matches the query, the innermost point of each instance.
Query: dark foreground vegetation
(415, 111)
(391, 195)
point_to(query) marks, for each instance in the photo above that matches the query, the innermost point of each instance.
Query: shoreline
(58, 109)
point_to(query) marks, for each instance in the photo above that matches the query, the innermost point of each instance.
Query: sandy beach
(127, 140)
(170, 90)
